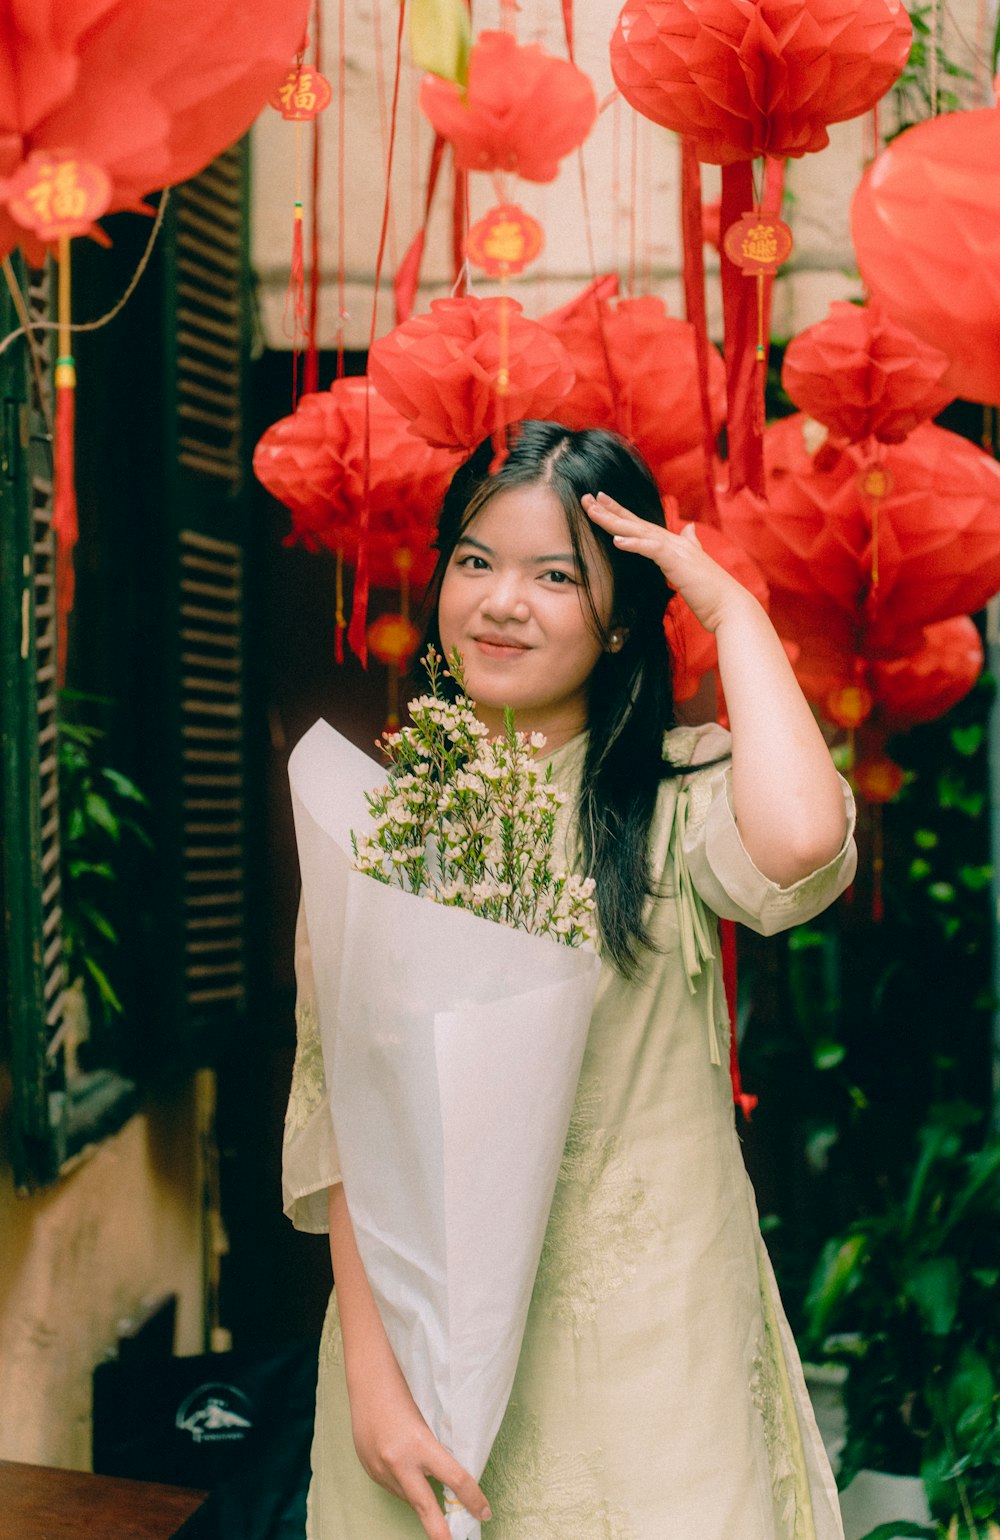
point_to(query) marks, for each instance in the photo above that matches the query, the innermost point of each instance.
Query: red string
(341, 196)
(357, 630)
(741, 1098)
(64, 520)
(695, 308)
(310, 370)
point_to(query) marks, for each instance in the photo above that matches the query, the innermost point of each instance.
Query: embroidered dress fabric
(658, 1393)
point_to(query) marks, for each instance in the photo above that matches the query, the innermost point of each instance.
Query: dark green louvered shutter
(31, 883)
(207, 496)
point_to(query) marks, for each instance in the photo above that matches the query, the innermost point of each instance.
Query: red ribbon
(694, 306)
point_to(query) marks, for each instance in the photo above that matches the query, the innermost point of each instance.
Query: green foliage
(99, 808)
(913, 92)
(907, 1297)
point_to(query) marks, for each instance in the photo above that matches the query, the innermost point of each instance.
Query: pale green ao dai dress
(659, 1395)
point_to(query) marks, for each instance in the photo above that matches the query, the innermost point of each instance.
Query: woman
(658, 1394)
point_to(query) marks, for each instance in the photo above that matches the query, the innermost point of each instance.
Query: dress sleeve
(721, 870)
(310, 1164)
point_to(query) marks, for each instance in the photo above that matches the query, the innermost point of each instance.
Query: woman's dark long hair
(630, 702)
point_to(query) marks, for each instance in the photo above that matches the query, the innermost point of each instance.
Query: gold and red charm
(302, 95)
(504, 241)
(849, 705)
(874, 484)
(393, 639)
(58, 194)
(758, 244)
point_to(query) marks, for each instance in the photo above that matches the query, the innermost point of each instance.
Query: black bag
(238, 1425)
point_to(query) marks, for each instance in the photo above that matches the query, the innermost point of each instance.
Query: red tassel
(739, 308)
(407, 279)
(741, 1098)
(695, 308)
(64, 513)
(567, 10)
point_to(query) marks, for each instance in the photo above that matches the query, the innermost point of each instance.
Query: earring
(616, 641)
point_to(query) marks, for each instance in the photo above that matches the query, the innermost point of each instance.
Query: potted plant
(908, 1298)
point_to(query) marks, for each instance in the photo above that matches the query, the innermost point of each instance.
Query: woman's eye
(473, 563)
(558, 576)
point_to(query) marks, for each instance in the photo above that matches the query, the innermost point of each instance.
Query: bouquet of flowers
(453, 1033)
(468, 821)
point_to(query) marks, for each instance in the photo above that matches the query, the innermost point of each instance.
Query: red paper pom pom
(523, 110)
(757, 79)
(313, 462)
(442, 371)
(864, 375)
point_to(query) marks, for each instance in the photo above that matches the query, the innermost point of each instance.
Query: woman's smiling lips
(499, 647)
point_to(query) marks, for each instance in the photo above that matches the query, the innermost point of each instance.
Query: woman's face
(513, 602)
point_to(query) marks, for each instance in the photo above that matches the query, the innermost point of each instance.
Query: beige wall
(821, 267)
(123, 1227)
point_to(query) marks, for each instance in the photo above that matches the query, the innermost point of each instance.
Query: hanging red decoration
(504, 241)
(146, 92)
(55, 193)
(693, 649)
(938, 538)
(758, 243)
(927, 683)
(442, 370)
(879, 779)
(637, 373)
(926, 225)
(864, 375)
(393, 639)
(522, 112)
(302, 94)
(745, 80)
(314, 463)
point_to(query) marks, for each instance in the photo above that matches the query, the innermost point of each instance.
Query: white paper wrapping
(452, 1048)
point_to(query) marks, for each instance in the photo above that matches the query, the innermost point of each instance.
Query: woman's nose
(506, 598)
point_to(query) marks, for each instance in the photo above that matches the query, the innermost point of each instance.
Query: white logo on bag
(215, 1413)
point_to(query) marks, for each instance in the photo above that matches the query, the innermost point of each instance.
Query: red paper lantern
(393, 639)
(864, 375)
(879, 779)
(444, 371)
(927, 683)
(522, 112)
(938, 538)
(926, 224)
(147, 92)
(637, 374)
(693, 649)
(747, 79)
(314, 463)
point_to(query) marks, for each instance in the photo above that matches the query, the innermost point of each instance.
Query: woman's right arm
(393, 1442)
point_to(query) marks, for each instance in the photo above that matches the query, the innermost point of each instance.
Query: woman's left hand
(708, 588)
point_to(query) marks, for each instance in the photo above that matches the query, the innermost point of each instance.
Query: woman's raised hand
(707, 587)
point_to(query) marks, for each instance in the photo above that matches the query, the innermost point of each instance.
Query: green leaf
(827, 1054)
(919, 869)
(98, 810)
(967, 739)
(933, 1287)
(835, 1274)
(976, 877)
(100, 922)
(440, 38)
(103, 983)
(124, 787)
(925, 839)
(942, 892)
